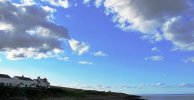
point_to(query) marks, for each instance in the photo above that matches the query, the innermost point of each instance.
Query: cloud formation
(172, 20)
(58, 3)
(155, 49)
(63, 58)
(189, 59)
(179, 30)
(27, 2)
(140, 86)
(86, 1)
(186, 85)
(165, 85)
(98, 3)
(155, 85)
(78, 47)
(26, 32)
(85, 63)
(99, 54)
(155, 58)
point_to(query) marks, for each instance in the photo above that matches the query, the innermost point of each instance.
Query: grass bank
(60, 93)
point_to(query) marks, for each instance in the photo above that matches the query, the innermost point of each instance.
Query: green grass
(6, 93)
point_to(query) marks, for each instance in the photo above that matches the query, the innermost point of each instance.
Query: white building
(6, 80)
(21, 81)
(42, 82)
(24, 81)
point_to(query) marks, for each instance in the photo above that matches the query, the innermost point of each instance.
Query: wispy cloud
(86, 1)
(186, 85)
(164, 85)
(155, 85)
(68, 16)
(155, 49)
(99, 54)
(28, 2)
(58, 3)
(63, 58)
(155, 58)
(85, 63)
(189, 59)
(79, 47)
(140, 86)
(98, 3)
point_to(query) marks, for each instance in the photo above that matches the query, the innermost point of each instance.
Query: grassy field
(60, 93)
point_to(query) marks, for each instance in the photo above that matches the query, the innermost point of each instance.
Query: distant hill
(60, 93)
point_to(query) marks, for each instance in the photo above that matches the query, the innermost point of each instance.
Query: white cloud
(99, 54)
(51, 12)
(145, 16)
(179, 30)
(58, 3)
(2, 1)
(140, 86)
(68, 16)
(86, 1)
(155, 49)
(25, 53)
(158, 37)
(186, 85)
(98, 3)
(6, 27)
(155, 58)
(49, 9)
(28, 2)
(64, 58)
(172, 20)
(78, 47)
(155, 85)
(164, 85)
(85, 63)
(27, 33)
(189, 59)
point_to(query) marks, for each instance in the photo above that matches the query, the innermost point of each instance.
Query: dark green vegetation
(60, 93)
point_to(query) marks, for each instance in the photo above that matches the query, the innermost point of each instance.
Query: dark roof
(4, 76)
(24, 78)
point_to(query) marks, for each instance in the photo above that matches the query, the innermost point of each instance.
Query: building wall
(5, 81)
(23, 83)
(8, 81)
(42, 83)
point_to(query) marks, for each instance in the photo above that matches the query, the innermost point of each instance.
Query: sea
(169, 97)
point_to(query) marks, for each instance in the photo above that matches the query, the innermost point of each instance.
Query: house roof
(4, 76)
(24, 78)
(41, 80)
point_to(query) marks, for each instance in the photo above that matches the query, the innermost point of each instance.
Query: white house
(42, 82)
(6, 80)
(24, 81)
(21, 81)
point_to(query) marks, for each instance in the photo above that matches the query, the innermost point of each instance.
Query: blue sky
(139, 47)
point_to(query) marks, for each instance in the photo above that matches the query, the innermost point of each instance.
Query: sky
(129, 46)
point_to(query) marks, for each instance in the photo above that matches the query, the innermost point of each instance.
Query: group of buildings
(21, 81)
